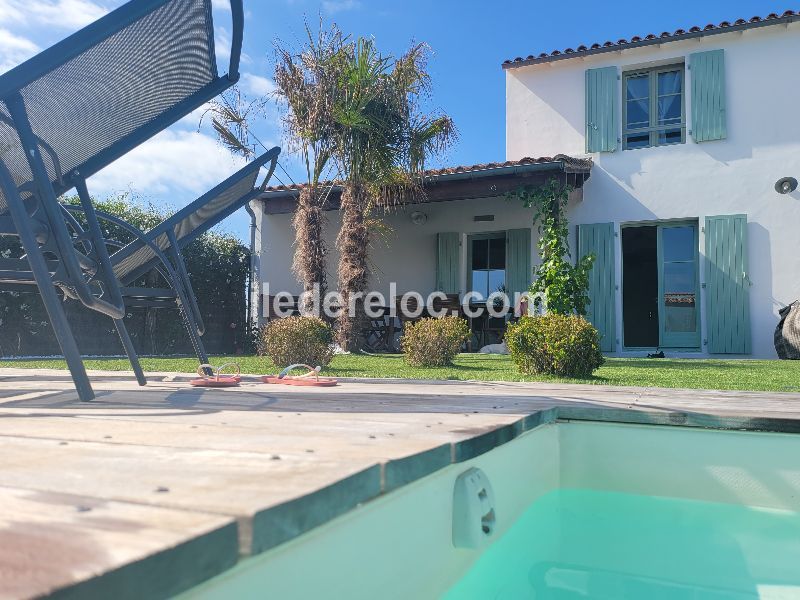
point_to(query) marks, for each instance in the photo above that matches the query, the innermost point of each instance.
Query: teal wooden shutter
(602, 109)
(727, 285)
(518, 260)
(708, 95)
(598, 239)
(448, 261)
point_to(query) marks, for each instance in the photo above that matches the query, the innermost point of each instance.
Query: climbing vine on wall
(560, 285)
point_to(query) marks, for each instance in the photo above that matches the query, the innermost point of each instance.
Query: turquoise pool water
(587, 544)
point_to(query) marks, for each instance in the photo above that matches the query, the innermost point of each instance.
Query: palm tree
(307, 82)
(305, 86)
(382, 139)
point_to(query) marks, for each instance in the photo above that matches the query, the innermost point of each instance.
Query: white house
(674, 144)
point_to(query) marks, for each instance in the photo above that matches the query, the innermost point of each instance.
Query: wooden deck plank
(49, 541)
(238, 484)
(327, 436)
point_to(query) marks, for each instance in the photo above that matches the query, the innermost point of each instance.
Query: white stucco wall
(545, 116)
(405, 253)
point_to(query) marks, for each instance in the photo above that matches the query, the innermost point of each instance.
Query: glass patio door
(678, 282)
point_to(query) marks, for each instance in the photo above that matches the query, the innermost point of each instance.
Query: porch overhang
(460, 183)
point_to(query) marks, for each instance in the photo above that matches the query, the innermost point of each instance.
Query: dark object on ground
(787, 333)
(659, 354)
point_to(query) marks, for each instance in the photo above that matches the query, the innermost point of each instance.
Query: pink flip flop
(218, 380)
(310, 378)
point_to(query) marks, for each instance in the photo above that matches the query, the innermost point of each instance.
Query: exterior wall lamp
(786, 185)
(418, 217)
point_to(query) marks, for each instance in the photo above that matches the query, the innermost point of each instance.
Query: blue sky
(470, 39)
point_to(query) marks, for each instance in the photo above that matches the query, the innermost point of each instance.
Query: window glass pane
(480, 282)
(497, 253)
(668, 104)
(680, 314)
(678, 243)
(670, 136)
(669, 110)
(637, 140)
(637, 114)
(480, 254)
(637, 87)
(680, 302)
(669, 82)
(497, 279)
(679, 279)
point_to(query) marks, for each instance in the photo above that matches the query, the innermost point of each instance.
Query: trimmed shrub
(553, 344)
(433, 342)
(293, 340)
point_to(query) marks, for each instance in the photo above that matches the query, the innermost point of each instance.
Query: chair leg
(52, 303)
(188, 319)
(191, 327)
(187, 303)
(63, 333)
(122, 331)
(183, 275)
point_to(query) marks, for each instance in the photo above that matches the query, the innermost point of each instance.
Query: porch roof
(458, 183)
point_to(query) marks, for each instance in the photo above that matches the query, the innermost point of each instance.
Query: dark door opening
(640, 286)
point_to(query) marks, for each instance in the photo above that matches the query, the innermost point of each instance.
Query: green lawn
(762, 375)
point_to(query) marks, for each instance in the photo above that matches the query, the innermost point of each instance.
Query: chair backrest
(446, 306)
(137, 258)
(451, 305)
(111, 86)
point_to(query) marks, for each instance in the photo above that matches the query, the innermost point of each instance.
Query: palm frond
(429, 135)
(230, 140)
(232, 116)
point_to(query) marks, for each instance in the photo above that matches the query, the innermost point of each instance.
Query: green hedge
(292, 340)
(433, 342)
(218, 266)
(553, 344)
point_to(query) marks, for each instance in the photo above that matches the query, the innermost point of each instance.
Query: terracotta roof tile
(664, 35)
(572, 162)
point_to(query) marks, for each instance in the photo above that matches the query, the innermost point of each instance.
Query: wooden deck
(148, 491)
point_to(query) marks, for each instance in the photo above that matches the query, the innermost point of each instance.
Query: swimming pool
(590, 544)
(579, 509)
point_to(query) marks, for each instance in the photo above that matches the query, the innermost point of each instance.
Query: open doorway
(660, 285)
(640, 286)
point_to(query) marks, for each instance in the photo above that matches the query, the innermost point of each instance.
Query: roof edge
(562, 162)
(652, 40)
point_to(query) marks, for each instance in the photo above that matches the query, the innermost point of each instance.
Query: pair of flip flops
(310, 378)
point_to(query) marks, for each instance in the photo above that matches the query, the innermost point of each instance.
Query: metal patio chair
(160, 248)
(74, 109)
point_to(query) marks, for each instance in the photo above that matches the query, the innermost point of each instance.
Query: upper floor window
(653, 112)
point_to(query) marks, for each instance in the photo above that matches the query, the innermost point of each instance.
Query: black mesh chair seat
(104, 90)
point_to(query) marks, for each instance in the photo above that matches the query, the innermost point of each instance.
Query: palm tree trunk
(353, 245)
(310, 251)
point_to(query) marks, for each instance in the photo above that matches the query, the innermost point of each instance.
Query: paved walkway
(152, 490)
